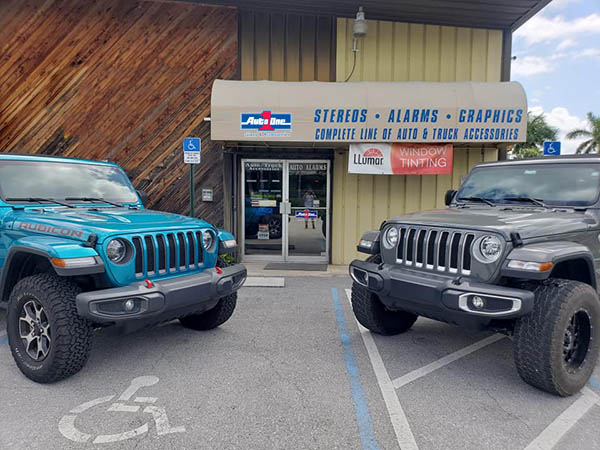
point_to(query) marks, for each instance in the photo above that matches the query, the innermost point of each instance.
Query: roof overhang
(318, 113)
(497, 14)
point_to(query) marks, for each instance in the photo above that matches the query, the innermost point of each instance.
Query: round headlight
(207, 240)
(390, 238)
(490, 248)
(116, 250)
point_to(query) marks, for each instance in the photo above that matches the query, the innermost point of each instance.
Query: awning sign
(412, 112)
(401, 159)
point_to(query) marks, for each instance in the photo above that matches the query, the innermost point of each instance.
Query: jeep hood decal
(79, 223)
(527, 222)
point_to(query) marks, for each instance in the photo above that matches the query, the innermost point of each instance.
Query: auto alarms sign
(401, 159)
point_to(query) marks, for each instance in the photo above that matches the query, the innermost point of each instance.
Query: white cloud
(567, 43)
(587, 53)
(531, 65)
(547, 29)
(565, 122)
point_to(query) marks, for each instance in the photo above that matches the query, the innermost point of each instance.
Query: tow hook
(457, 281)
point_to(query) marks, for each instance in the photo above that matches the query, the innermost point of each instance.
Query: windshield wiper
(478, 200)
(38, 200)
(535, 201)
(93, 199)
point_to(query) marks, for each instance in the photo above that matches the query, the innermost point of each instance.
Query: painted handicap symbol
(67, 427)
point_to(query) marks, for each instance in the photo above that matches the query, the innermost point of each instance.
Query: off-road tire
(539, 337)
(212, 318)
(216, 316)
(372, 314)
(71, 334)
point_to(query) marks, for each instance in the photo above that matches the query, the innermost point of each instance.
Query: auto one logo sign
(401, 159)
(266, 123)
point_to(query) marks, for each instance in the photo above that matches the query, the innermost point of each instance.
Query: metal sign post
(192, 156)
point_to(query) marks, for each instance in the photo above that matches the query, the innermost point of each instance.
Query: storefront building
(127, 80)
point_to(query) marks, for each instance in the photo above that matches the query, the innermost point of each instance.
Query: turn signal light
(74, 262)
(530, 265)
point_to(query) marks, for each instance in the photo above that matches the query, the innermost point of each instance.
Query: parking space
(292, 369)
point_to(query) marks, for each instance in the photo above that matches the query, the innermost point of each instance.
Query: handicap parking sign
(551, 148)
(191, 150)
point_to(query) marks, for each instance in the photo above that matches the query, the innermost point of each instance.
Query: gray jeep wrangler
(516, 251)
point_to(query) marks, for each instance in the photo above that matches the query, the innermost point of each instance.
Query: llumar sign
(41, 228)
(401, 159)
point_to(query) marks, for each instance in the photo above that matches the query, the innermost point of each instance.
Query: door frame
(284, 256)
(286, 248)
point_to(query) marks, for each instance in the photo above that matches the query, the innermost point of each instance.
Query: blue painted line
(3, 340)
(595, 383)
(361, 408)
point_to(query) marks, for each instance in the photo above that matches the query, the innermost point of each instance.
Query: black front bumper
(441, 297)
(164, 300)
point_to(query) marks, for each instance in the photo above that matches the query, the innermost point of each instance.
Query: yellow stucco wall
(405, 52)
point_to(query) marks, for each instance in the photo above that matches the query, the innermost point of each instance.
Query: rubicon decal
(41, 228)
(266, 123)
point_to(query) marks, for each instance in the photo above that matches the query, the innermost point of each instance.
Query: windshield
(60, 180)
(554, 184)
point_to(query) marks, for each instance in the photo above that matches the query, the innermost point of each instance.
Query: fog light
(129, 305)
(478, 302)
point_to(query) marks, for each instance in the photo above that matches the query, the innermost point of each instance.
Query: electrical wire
(353, 67)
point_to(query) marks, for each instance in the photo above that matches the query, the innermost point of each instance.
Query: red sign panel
(422, 159)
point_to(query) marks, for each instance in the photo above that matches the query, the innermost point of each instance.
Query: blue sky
(558, 63)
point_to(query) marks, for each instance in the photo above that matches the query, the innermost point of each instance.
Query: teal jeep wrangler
(78, 251)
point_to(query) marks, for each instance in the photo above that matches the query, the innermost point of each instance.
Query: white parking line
(264, 282)
(425, 370)
(563, 423)
(404, 435)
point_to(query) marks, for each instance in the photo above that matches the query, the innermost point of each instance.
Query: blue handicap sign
(191, 144)
(551, 148)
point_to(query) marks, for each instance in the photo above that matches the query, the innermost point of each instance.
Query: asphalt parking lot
(293, 370)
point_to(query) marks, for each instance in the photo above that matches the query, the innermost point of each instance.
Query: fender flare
(223, 236)
(555, 252)
(47, 252)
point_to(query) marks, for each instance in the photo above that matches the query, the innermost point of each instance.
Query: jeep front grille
(160, 253)
(435, 249)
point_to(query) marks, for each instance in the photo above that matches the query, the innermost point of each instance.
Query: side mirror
(449, 196)
(143, 197)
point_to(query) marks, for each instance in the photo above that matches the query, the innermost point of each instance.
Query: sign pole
(191, 190)
(192, 155)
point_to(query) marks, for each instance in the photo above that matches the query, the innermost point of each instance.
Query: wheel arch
(578, 268)
(23, 261)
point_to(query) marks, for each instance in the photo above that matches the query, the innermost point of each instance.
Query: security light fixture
(359, 31)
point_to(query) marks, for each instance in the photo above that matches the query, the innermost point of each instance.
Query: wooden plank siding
(124, 80)
(394, 51)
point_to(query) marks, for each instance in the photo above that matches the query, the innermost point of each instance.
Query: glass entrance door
(308, 197)
(262, 183)
(286, 210)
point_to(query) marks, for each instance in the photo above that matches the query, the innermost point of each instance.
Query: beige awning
(316, 112)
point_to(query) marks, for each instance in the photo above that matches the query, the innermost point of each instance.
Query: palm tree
(592, 144)
(538, 131)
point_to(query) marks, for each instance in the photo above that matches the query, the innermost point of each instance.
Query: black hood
(528, 222)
